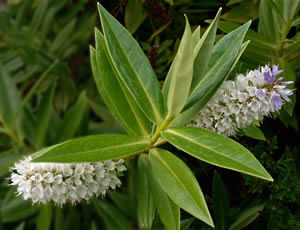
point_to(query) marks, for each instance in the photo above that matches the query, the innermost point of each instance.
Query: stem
(156, 135)
(160, 143)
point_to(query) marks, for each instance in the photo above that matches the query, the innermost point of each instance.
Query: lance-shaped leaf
(247, 217)
(135, 14)
(241, 51)
(114, 93)
(145, 203)
(133, 67)
(216, 149)
(177, 85)
(203, 50)
(196, 36)
(43, 116)
(93, 148)
(220, 203)
(112, 216)
(178, 181)
(9, 97)
(223, 57)
(168, 211)
(72, 119)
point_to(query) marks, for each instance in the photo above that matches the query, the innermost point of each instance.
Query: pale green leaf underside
(93, 148)
(177, 85)
(178, 181)
(222, 59)
(203, 50)
(216, 149)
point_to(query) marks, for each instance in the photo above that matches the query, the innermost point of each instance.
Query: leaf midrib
(124, 123)
(204, 146)
(156, 113)
(175, 176)
(100, 149)
(216, 64)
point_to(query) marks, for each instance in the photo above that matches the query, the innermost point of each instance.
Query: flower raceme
(238, 103)
(61, 183)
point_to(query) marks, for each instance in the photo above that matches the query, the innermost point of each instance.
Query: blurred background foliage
(47, 95)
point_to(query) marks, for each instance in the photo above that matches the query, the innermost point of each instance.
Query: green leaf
(134, 15)
(15, 208)
(168, 211)
(124, 203)
(203, 50)
(64, 35)
(240, 53)
(44, 219)
(253, 36)
(115, 94)
(289, 75)
(59, 219)
(247, 217)
(177, 84)
(112, 217)
(72, 119)
(43, 116)
(222, 59)
(269, 22)
(196, 36)
(133, 67)
(39, 15)
(216, 149)
(7, 160)
(145, 203)
(93, 148)
(9, 97)
(254, 132)
(178, 181)
(220, 203)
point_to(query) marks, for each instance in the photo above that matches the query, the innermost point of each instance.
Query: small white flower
(61, 183)
(238, 103)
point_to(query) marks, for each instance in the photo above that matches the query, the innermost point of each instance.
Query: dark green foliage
(51, 97)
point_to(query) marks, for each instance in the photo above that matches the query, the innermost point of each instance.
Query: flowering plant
(85, 167)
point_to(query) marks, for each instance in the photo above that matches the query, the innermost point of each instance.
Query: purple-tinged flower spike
(269, 78)
(238, 103)
(275, 70)
(261, 93)
(270, 74)
(276, 101)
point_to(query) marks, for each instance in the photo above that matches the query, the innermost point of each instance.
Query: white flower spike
(62, 183)
(238, 103)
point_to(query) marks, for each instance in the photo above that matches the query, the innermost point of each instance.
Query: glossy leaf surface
(145, 203)
(222, 58)
(178, 181)
(114, 92)
(216, 149)
(133, 67)
(168, 211)
(203, 50)
(92, 148)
